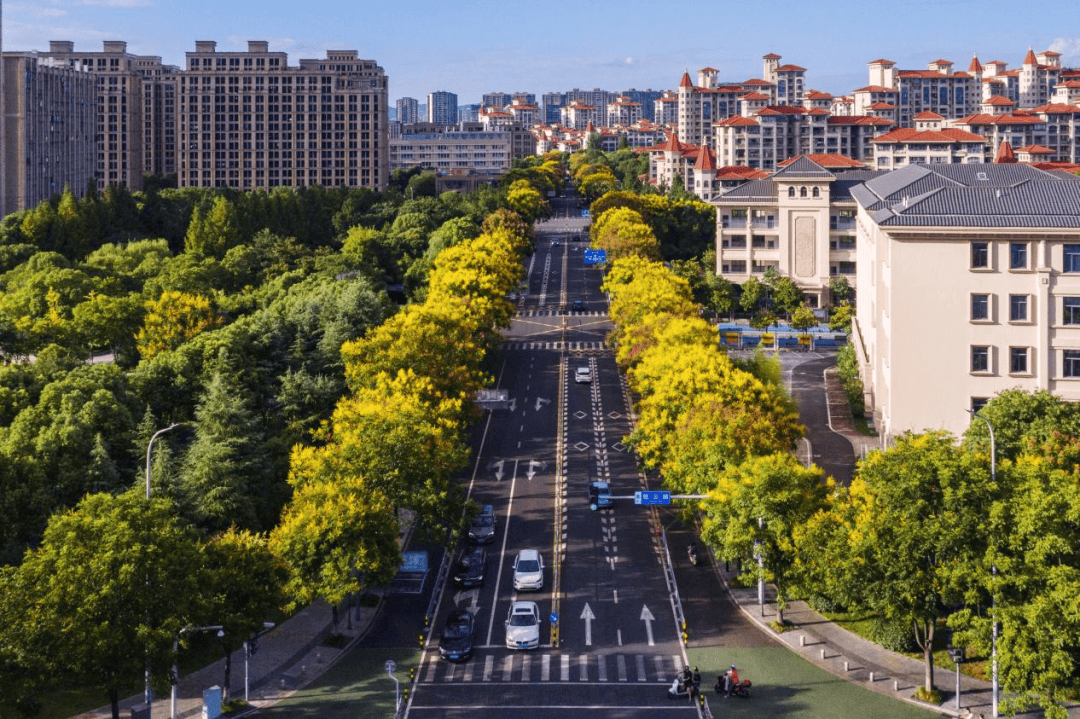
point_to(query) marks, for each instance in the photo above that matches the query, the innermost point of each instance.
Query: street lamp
(993, 575)
(759, 555)
(149, 446)
(249, 649)
(390, 667)
(957, 655)
(176, 652)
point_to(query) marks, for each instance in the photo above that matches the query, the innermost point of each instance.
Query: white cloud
(629, 61)
(36, 10)
(1068, 47)
(27, 36)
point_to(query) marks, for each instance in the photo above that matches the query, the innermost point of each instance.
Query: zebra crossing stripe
(545, 668)
(431, 668)
(508, 668)
(620, 664)
(601, 666)
(583, 663)
(640, 668)
(676, 661)
(564, 673)
(489, 663)
(526, 668)
(468, 671)
(659, 669)
(450, 671)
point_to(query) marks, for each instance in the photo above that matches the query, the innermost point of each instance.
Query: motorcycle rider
(733, 680)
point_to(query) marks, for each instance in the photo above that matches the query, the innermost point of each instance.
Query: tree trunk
(925, 640)
(228, 676)
(114, 702)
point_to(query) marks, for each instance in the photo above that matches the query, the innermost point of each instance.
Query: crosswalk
(531, 667)
(558, 346)
(556, 313)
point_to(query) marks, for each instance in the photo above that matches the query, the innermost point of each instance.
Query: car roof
(524, 607)
(528, 554)
(583, 369)
(599, 485)
(459, 615)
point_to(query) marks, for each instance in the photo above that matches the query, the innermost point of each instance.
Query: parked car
(482, 528)
(528, 570)
(523, 626)
(469, 571)
(579, 306)
(599, 495)
(456, 640)
(583, 375)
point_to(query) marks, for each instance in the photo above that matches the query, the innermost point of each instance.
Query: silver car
(528, 570)
(523, 626)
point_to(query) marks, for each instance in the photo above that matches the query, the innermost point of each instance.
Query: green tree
(840, 319)
(839, 290)
(786, 295)
(1022, 420)
(110, 587)
(212, 230)
(757, 508)
(752, 292)
(803, 318)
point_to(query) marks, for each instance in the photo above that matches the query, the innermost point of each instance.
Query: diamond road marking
(581, 446)
(580, 415)
(614, 415)
(619, 447)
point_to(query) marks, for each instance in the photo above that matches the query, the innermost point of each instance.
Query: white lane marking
(588, 616)
(502, 552)
(640, 667)
(616, 593)
(489, 664)
(618, 634)
(648, 618)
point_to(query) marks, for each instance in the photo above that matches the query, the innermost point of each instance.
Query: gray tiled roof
(753, 190)
(976, 195)
(804, 169)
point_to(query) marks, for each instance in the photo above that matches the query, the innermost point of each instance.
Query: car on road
(469, 571)
(555, 243)
(482, 528)
(528, 570)
(583, 375)
(523, 626)
(456, 640)
(579, 306)
(599, 495)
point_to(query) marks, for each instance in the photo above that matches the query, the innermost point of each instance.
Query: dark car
(482, 529)
(599, 495)
(469, 571)
(456, 640)
(579, 306)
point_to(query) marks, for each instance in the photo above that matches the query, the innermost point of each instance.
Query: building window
(978, 403)
(980, 308)
(980, 255)
(1072, 258)
(1018, 360)
(1018, 308)
(1070, 360)
(980, 358)
(1070, 310)
(1018, 256)
(817, 192)
(791, 192)
(802, 192)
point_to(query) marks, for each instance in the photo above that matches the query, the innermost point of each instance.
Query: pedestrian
(727, 684)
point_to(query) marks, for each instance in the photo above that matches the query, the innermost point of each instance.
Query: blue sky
(474, 46)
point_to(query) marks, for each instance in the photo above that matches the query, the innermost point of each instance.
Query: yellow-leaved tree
(172, 319)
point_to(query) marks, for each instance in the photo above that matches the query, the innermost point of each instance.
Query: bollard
(895, 685)
(303, 669)
(846, 666)
(282, 685)
(318, 657)
(421, 641)
(822, 653)
(871, 677)
(802, 640)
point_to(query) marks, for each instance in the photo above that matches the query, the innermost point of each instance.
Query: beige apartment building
(446, 148)
(49, 130)
(119, 109)
(968, 284)
(249, 120)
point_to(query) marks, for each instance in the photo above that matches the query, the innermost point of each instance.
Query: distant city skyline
(509, 47)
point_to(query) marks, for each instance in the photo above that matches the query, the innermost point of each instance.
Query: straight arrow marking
(648, 618)
(588, 616)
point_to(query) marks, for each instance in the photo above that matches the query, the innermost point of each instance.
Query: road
(615, 644)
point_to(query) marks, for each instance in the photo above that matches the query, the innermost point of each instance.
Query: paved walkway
(289, 657)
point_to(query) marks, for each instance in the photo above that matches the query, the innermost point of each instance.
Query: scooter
(742, 689)
(691, 552)
(682, 690)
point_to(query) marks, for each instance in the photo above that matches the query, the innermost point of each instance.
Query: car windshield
(583, 370)
(484, 521)
(471, 560)
(522, 620)
(456, 631)
(528, 565)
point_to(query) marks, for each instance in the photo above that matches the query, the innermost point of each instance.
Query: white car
(523, 626)
(583, 374)
(528, 570)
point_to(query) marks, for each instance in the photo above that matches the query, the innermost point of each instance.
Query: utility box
(140, 711)
(211, 703)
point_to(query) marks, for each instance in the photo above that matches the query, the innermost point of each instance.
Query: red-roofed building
(789, 80)
(699, 106)
(1018, 129)
(927, 144)
(623, 111)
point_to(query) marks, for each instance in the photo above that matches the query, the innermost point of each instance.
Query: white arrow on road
(648, 618)
(472, 595)
(533, 464)
(588, 616)
(540, 402)
(513, 404)
(498, 466)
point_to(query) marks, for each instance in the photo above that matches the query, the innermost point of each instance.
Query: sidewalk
(288, 658)
(851, 657)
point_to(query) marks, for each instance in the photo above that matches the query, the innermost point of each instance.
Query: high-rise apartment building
(553, 104)
(49, 133)
(160, 83)
(442, 107)
(249, 120)
(120, 126)
(408, 111)
(469, 113)
(495, 100)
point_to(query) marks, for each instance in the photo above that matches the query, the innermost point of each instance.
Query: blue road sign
(595, 257)
(659, 497)
(584, 213)
(554, 618)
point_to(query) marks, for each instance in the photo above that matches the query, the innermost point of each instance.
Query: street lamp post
(759, 555)
(176, 653)
(149, 446)
(249, 649)
(993, 577)
(390, 667)
(957, 655)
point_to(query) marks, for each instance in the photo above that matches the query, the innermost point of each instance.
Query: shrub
(847, 369)
(893, 635)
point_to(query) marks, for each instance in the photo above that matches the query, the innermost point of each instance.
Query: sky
(470, 47)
